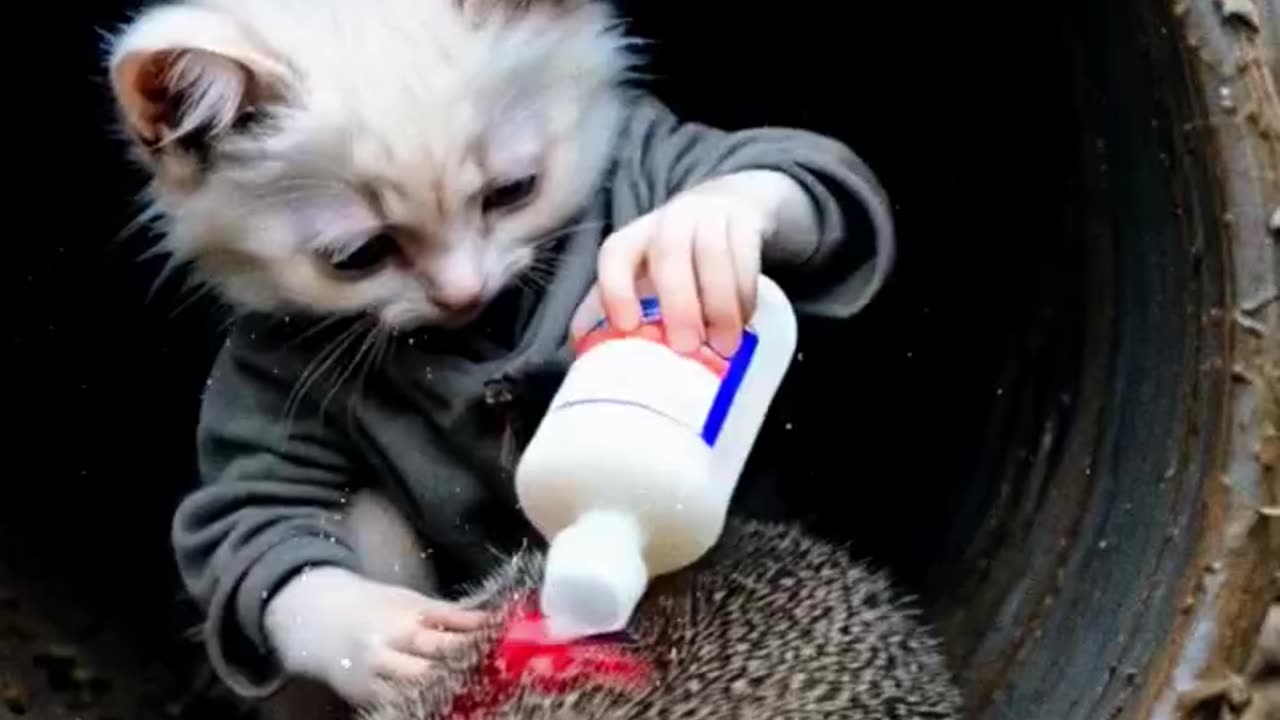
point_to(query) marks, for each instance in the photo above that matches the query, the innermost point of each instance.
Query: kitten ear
(181, 73)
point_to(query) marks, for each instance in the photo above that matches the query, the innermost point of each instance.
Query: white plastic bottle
(630, 473)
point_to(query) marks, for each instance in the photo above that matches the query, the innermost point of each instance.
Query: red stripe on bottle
(654, 332)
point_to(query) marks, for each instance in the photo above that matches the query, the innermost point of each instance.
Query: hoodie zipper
(499, 394)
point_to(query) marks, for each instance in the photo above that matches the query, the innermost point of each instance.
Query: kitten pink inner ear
(167, 94)
(182, 69)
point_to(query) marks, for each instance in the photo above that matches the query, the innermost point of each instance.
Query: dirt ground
(60, 660)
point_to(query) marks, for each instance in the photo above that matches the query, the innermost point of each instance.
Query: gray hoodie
(438, 421)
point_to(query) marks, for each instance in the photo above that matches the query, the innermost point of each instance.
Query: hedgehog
(772, 623)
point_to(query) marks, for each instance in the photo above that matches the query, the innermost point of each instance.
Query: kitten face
(405, 158)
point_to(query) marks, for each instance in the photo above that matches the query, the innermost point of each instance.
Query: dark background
(884, 422)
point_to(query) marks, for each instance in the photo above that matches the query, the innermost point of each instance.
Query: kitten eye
(371, 255)
(247, 120)
(509, 195)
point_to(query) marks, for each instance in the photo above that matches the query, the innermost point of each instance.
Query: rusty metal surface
(1136, 554)
(1232, 63)
(1251, 695)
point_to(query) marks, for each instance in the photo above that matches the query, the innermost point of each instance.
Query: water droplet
(346, 663)
(1225, 98)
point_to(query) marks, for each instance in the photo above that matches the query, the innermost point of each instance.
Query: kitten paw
(360, 637)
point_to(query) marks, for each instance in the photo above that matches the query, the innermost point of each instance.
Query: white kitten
(401, 158)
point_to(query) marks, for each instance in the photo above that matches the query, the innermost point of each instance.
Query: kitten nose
(459, 300)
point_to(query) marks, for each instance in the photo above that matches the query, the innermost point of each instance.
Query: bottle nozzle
(595, 575)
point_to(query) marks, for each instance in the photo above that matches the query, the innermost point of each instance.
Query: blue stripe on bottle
(729, 388)
(649, 309)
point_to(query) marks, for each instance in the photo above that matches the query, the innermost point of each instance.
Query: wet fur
(772, 624)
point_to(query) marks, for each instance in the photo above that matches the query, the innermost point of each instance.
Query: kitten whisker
(171, 268)
(370, 326)
(230, 318)
(545, 262)
(314, 370)
(145, 219)
(524, 283)
(382, 345)
(548, 238)
(540, 276)
(195, 291)
(317, 327)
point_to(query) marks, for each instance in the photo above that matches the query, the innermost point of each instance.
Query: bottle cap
(595, 575)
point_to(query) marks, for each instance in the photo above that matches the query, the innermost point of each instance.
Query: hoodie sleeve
(274, 480)
(837, 275)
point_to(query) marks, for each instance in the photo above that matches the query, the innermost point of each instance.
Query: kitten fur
(283, 136)
(771, 624)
